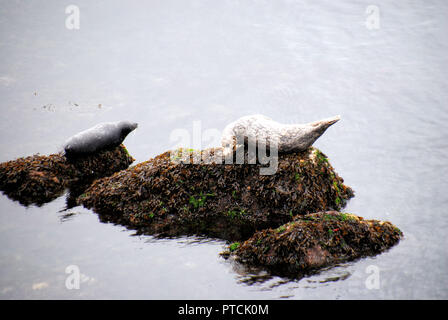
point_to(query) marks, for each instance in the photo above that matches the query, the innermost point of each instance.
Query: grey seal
(269, 133)
(102, 136)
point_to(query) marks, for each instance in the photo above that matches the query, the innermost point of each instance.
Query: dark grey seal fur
(102, 136)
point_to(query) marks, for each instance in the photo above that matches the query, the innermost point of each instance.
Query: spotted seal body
(267, 132)
(102, 136)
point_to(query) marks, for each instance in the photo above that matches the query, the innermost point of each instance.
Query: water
(169, 64)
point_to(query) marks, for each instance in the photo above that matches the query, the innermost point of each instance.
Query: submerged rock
(39, 179)
(229, 201)
(314, 241)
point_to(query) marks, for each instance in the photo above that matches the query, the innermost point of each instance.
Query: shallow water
(197, 65)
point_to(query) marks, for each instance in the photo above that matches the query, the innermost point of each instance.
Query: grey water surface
(195, 66)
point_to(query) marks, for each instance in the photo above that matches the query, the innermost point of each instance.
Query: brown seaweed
(314, 241)
(39, 179)
(228, 201)
(287, 223)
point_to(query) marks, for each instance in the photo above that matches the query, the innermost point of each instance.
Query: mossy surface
(270, 219)
(229, 201)
(39, 179)
(314, 241)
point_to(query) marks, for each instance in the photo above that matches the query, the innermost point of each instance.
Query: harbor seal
(102, 136)
(268, 133)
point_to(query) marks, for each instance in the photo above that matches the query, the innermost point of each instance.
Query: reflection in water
(170, 63)
(67, 216)
(250, 275)
(332, 275)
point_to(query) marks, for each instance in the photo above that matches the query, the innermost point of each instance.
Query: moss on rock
(229, 201)
(315, 241)
(39, 179)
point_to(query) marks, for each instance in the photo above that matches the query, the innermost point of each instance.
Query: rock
(314, 241)
(39, 179)
(228, 201)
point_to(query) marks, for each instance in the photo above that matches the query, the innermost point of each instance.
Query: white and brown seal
(262, 130)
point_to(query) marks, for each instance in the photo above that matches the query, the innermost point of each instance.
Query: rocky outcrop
(229, 201)
(287, 222)
(314, 241)
(39, 179)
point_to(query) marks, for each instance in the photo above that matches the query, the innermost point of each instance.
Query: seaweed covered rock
(229, 201)
(314, 241)
(39, 179)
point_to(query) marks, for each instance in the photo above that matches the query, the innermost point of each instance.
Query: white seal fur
(267, 132)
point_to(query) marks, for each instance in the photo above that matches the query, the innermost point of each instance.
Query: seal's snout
(334, 119)
(129, 126)
(326, 122)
